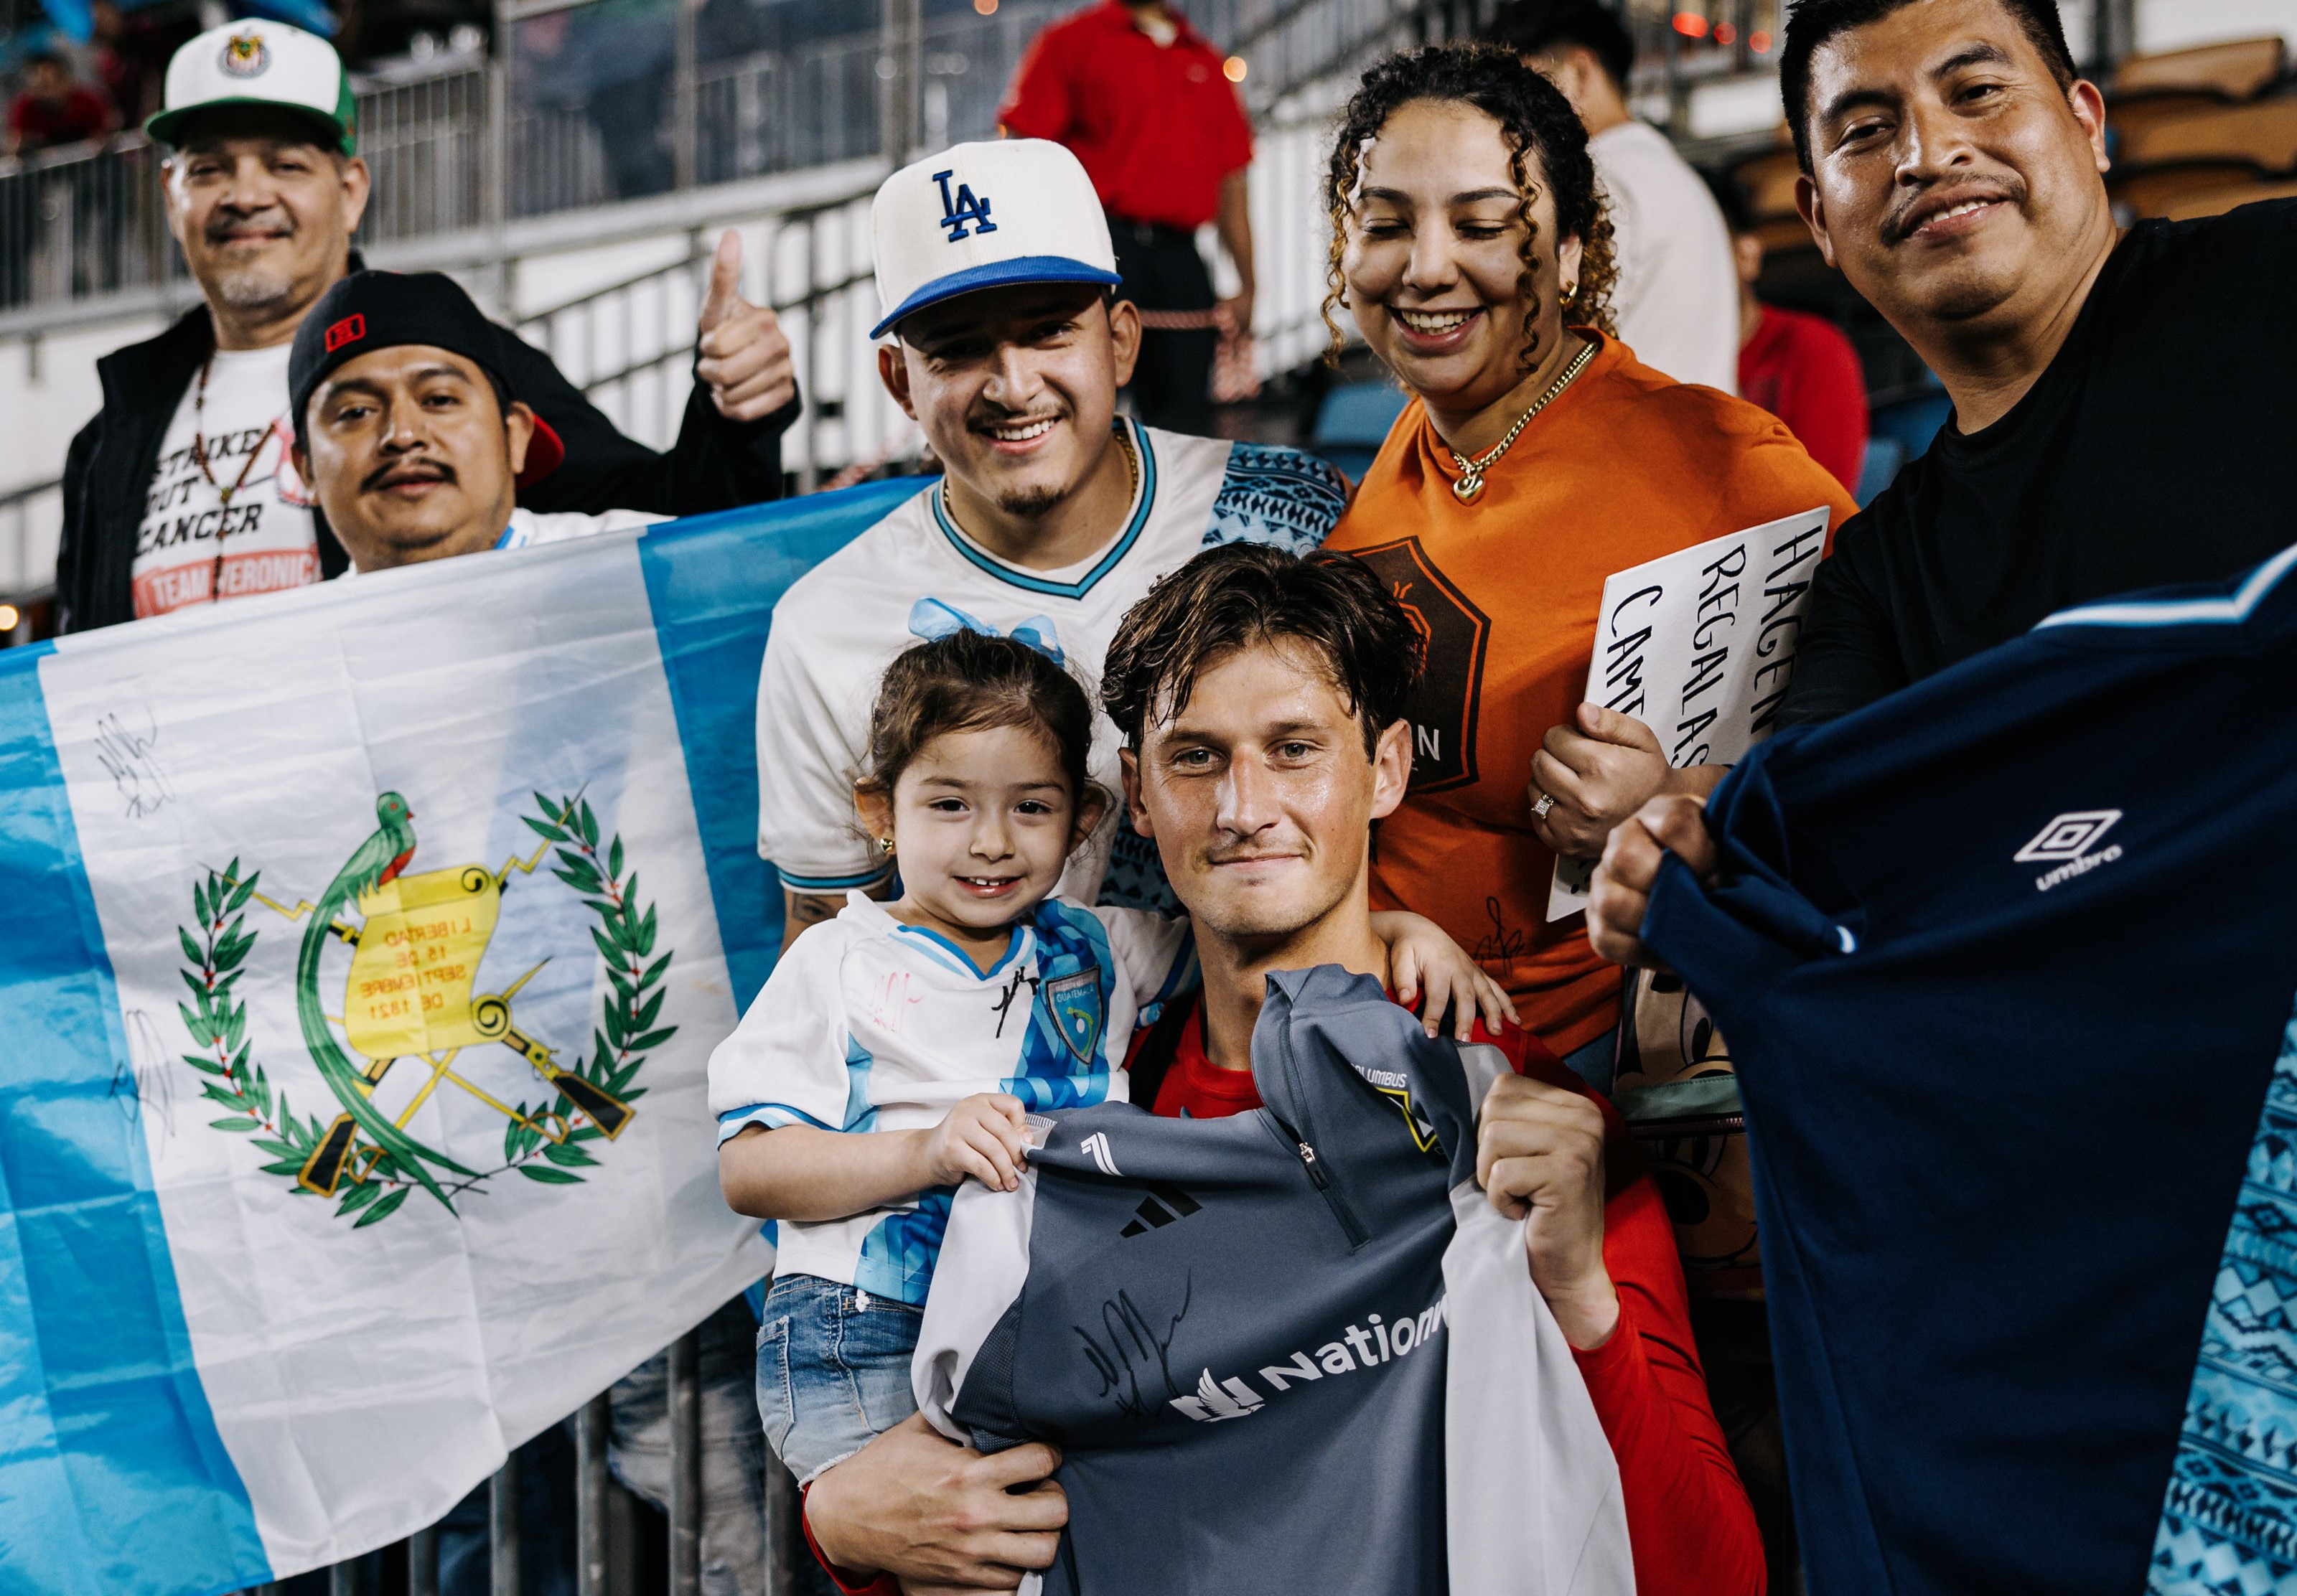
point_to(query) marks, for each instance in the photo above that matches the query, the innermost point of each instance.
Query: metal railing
(604, 1563)
(589, 101)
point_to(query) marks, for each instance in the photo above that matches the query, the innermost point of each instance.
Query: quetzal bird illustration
(378, 859)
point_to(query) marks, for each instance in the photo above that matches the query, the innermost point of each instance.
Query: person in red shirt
(1147, 105)
(52, 108)
(1261, 700)
(1802, 368)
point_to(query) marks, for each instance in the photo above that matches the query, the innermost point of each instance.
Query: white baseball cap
(985, 215)
(256, 62)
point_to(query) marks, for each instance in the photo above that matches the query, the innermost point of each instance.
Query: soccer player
(995, 272)
(1260, 698)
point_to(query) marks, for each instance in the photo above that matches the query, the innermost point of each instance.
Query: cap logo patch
(350, 330)
(958, 213)
(245, 55)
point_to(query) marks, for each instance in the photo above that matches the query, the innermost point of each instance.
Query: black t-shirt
(2156, 450)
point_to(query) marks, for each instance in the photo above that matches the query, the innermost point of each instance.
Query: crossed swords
(322, 1170)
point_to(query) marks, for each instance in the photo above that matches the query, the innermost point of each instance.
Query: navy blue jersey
(2006, 961)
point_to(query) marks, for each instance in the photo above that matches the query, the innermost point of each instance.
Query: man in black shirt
(2122, 402)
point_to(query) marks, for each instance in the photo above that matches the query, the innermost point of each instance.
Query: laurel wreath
(374, 1183)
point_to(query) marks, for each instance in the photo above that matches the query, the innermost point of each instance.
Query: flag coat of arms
(364, 951)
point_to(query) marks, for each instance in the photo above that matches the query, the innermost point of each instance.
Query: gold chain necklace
(1471, 472)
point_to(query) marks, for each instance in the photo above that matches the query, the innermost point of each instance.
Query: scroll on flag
(365, 948)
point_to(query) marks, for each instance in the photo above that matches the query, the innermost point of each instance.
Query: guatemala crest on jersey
(1074, 1002)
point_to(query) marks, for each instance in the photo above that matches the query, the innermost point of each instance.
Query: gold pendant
(1468, 487)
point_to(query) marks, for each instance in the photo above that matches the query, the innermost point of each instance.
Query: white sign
(1699, 646)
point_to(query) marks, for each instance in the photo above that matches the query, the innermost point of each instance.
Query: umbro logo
(2068, 836)
(1164, 1204)
(2070, 842)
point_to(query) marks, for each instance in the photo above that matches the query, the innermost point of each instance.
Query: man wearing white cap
(995, 275)
(181, 491)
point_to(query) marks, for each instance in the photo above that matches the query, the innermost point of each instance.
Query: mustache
(434, 470)
(1918, 209)
(223, 229)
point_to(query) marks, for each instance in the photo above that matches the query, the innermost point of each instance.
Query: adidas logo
(1154, 1216)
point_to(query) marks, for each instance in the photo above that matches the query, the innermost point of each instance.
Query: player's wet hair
(1245, 596)
(1547, 145)
(1813, 23)
(972, 682)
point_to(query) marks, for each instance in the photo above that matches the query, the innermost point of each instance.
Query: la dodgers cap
(257, 63)
(986, 215)
(368, 311)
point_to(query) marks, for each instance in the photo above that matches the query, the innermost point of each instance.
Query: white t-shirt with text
(264, 531)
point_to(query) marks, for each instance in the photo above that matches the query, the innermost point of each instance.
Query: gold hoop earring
(1569, 296)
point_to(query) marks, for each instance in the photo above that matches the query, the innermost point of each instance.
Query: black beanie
(370, 311)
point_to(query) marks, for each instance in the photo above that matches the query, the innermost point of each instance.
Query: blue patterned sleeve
(1284, 498)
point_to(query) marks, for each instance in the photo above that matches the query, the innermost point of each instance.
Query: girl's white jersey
(871, 1025)
(916, 574)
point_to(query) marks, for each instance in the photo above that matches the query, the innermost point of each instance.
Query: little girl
(941, 1021)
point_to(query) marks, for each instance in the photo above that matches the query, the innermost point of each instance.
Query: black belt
(1148, 233)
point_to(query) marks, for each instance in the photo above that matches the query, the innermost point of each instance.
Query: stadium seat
(2129, 120)
(2154, 191)
(2217, 201)
(1768, 182)
(1352, 422)
(2263, 133)
(2239, 70)
(1781, 234)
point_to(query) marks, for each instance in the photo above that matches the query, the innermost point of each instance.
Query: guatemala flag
(363, 950)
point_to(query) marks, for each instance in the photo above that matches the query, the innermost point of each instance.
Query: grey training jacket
(1290, 1350)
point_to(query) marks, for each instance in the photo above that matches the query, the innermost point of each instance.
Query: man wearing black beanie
(411, 437)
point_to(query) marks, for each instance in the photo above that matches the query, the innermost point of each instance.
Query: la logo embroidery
(957, 213)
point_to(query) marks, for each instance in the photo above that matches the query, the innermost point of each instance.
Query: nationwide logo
(408, 1019)
(2068, 842)
(1358, 1347)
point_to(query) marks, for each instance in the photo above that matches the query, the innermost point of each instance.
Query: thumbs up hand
(746, 356)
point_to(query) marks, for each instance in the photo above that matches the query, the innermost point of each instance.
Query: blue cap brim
(1002, 274)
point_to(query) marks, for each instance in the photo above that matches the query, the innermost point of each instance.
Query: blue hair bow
(932, 620)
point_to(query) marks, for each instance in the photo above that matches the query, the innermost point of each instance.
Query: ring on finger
(1539, 810)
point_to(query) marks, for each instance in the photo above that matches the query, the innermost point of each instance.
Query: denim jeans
(833, 1371)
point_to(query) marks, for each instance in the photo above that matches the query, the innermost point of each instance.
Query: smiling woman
(1538, 457)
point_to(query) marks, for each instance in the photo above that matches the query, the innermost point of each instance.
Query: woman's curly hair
(1537, 123)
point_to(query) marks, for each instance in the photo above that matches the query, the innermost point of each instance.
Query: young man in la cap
(180, 491)
(994, 275)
